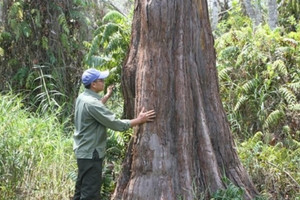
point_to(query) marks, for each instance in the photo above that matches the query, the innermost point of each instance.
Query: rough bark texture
(171, 68)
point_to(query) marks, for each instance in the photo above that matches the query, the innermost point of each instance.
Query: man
(91, 120)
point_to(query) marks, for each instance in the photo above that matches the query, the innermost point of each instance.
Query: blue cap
(92, 74)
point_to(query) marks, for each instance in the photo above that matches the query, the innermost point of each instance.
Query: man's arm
(143, 117)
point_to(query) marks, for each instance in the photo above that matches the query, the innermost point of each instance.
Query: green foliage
(231, 192)
(45, 92)
(259, 79)
(289, 14)
(274, 169)
(259, 74)
(35, 154)
(109, 45)
(48, 34)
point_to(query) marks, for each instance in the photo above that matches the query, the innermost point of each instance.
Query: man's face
(98, 85)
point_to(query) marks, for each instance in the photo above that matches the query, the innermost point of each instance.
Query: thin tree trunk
(273, 14)
(214, 14)
(253, 12)
(171, 68)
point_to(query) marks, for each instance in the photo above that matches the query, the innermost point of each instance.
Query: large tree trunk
(171, 68)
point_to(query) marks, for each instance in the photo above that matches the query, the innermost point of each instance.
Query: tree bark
(273, 14)
(253, 10)
(214, 14)
(171, 68)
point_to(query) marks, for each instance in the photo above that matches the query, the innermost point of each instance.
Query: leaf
(250, 85)
(98, 61)
(280, 66)
(288, 95)
(295, 86)
(114, 16)
(63, 22)
(295, 107)
(223, 74)
(26, 29)
(109, 30)
(240, 102)
(45, 42)
(273, 118)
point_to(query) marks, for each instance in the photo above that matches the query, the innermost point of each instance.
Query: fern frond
(97, 61)
(294, 86)
(99, 30)
(240, 102)
(250, 85)
(114, 16)
(280, 66)
(295, 107)
(243, 54)
(229, 51)
(63, 22)
(282, 50)
(64, 41)
(288, 95)
(224, 73)
(109, 30)
(95, 45)
(291, 41)
(273, 118)
(116, 43)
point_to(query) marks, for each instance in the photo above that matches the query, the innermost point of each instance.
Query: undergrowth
(35, 154)
(274, 169)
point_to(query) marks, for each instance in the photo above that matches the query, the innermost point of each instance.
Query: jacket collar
(92, 93)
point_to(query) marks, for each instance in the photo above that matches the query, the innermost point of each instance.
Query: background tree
(253, 10)
(214, 14)
(171, 68)
(273, 14)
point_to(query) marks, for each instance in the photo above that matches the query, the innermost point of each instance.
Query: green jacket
(91, 120)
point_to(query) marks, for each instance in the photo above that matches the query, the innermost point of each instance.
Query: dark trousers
(88, 183)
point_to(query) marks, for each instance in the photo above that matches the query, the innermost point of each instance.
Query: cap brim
(103, 74)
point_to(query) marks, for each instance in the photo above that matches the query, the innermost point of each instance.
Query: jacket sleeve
(105, 117)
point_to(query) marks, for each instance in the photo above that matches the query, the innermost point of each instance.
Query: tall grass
(36, 159)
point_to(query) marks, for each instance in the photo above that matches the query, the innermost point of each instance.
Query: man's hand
(144, 116)
(110, 90)
(147, 116)
(108, 93)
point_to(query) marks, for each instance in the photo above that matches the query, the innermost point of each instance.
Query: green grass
(35, 153)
